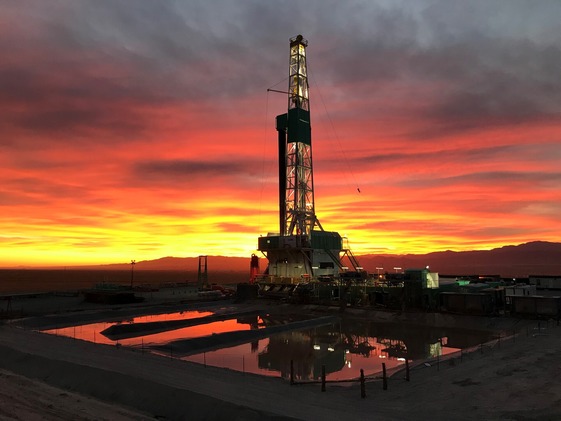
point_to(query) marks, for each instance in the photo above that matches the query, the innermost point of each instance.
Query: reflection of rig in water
(334, 346)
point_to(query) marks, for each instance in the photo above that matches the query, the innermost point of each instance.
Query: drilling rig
(302, 249)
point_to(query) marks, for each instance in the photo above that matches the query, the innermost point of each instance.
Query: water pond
(343, 346)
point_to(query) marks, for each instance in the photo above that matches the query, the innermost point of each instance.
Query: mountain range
(533, 258)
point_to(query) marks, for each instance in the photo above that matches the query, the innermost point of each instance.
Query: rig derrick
(301, 250)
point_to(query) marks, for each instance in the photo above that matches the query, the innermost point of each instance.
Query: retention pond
(265, 344)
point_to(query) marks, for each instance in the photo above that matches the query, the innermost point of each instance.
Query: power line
(336, 136)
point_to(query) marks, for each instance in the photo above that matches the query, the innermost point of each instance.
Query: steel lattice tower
(298, 251)
(296, 191)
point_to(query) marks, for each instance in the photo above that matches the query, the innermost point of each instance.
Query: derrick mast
(298, 251)
(296, 191)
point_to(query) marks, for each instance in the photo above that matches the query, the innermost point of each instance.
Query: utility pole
(133, 262)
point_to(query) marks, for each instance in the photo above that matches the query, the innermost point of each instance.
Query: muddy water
(344, 347)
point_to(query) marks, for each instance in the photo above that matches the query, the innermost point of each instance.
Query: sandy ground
(49, 377)
(22, 398)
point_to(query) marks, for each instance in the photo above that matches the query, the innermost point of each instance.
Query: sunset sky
(143, 129)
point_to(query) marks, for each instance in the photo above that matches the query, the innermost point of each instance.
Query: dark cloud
(503, 83)
(86, 67)
(438, 162)
(528, 179)
(451, 155)
(187, 170)
(102, 64)
(456, 65)
(510, 176)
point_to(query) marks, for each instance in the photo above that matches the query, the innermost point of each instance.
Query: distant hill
(534, 258)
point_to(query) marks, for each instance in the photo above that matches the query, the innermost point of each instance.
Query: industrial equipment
(302, 249)
(202, 275)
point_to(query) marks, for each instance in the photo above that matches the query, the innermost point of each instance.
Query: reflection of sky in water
(343, 348)
(92, 332)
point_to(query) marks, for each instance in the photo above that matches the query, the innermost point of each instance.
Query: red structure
(253, 268)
